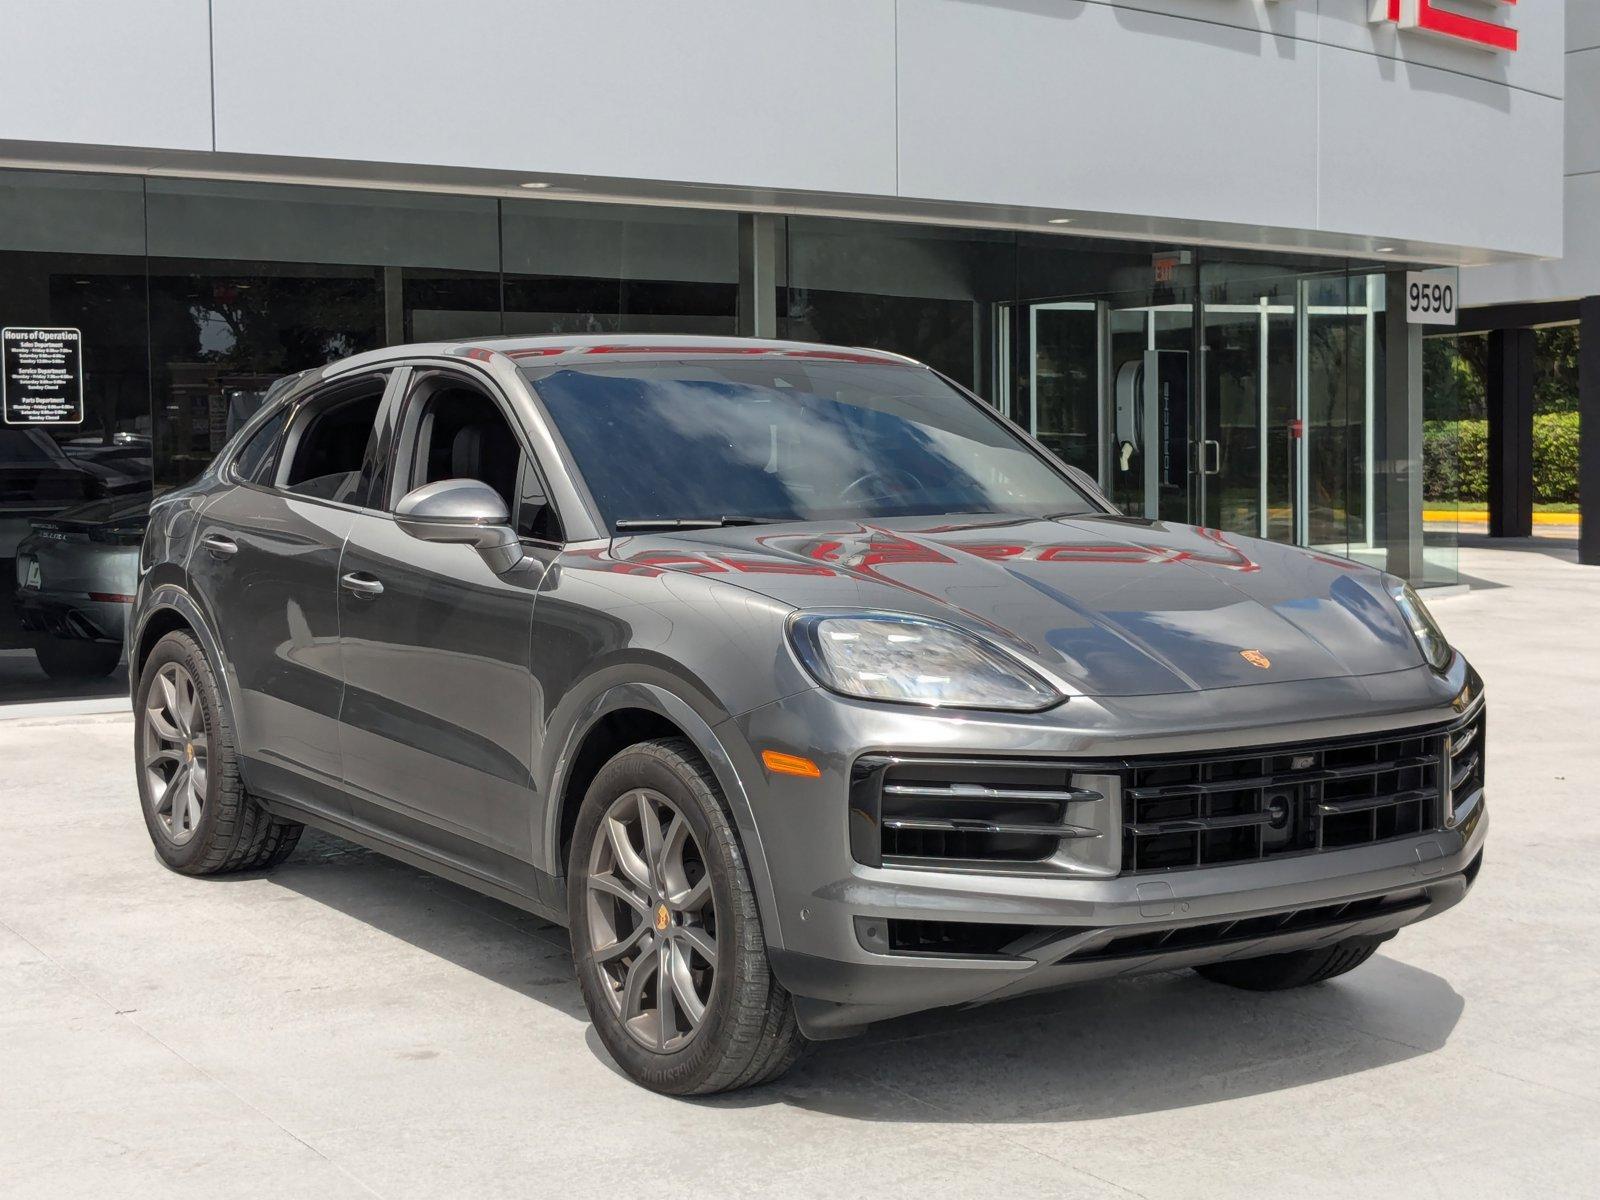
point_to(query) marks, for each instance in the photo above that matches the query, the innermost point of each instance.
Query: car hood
(1109, 606)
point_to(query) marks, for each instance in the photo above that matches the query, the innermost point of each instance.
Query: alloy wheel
(652, 920)
(176, 751)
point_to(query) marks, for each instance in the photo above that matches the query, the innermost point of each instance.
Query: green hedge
(1455, 459)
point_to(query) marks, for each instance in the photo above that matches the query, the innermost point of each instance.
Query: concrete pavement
(351, 1027)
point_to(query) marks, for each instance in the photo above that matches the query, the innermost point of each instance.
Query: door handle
(1210, 457)
(220, 546)
(361, 584)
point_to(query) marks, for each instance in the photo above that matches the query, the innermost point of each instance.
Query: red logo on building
(1432, 16)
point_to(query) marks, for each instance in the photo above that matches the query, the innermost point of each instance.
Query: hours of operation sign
(41, 376)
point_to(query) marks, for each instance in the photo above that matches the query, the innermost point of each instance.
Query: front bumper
(1081, 928)
(1106, 930)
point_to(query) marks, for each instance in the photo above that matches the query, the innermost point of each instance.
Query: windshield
(780, 439)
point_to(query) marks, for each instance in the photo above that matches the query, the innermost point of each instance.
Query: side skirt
(414, 856)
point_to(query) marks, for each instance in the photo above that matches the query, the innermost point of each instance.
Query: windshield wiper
(663, 524)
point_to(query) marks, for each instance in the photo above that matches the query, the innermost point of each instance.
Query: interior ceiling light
(1060, 221)
(1386, 249)
(534, 185)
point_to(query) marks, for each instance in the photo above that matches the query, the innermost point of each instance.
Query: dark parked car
(38, 478)
(804, 688)
(76, 575)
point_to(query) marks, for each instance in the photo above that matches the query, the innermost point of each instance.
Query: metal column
(1589, 430)
(758, 275)
(1510, 402)
(1402, 435)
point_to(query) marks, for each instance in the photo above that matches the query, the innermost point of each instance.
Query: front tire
(666, 936)
(199, 815)
(1298, 968)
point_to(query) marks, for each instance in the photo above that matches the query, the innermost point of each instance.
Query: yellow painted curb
(1570, 520)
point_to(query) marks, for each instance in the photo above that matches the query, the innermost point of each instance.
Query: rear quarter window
(254, 462)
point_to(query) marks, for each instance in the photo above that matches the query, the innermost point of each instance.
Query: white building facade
(1169, 237)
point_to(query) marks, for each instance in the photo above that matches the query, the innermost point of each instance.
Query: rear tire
(69, 659)
(1299, 968)
(199, 815)
(638, 916)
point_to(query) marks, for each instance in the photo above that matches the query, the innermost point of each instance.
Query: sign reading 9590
(1431, 297)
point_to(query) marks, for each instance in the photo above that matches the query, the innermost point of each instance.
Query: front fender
(707, 740)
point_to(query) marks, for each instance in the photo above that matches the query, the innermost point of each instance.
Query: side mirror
(464, 512)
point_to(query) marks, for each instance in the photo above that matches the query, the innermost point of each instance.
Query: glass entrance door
(1107, 382)
(1250, 393)
(1153, 432)
(1065, 365)
(1288, 402)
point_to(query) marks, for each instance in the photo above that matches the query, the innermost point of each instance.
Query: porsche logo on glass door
(1445, 18)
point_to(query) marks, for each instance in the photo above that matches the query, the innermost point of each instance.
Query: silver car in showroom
(801, 686)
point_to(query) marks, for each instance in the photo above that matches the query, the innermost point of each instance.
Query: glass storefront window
(584, 268)
(920, 290)
(73, 496)
(1455, 447)
(249, 282)
(1241, 391)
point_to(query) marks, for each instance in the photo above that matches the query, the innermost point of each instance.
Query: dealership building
(1193, 246)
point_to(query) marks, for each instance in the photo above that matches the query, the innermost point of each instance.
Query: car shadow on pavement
(493, 940)
(1105, 1049)
(1122, 1047)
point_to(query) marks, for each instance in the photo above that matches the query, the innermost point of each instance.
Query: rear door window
(331, 451)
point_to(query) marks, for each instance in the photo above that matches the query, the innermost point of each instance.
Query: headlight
(1430, 638)
(909, 660)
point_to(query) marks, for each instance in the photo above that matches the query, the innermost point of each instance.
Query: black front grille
(1177, 812)
(1249, 805)
(946, 810)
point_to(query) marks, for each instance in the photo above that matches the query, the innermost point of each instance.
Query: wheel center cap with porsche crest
(1255, 658)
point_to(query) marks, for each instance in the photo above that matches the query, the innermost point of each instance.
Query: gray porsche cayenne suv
(800, 686)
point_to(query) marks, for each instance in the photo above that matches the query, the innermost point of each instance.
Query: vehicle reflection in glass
(76, 574)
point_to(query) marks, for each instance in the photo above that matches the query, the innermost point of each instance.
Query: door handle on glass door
(220, 546)
(1210, 457)
(361, 584)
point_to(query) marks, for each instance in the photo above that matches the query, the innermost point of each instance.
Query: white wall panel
(1575, 275)
(1297, 18)
(1583, 111)
(1415, 152)
(1583, 24)
(106, 72)
(724, 91)
(1295, 114)
(1105, 108)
